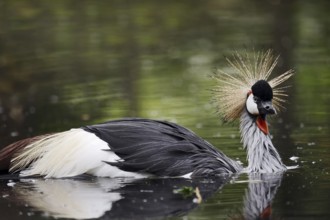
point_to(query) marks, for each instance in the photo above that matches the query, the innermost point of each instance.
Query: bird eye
(255, 99)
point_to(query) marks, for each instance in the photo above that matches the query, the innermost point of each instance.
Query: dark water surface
(66, 64)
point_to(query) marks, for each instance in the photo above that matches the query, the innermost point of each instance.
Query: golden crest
(235, 84)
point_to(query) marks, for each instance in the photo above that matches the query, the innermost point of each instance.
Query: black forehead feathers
(262, 90)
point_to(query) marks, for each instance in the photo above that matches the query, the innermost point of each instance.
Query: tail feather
(7, 153)
(63, 154)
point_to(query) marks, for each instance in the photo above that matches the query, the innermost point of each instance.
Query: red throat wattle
(262, 124)
(266, 213)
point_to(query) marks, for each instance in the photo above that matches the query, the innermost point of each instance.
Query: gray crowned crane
(137, 147)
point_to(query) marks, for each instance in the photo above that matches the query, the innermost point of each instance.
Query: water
(64, 65)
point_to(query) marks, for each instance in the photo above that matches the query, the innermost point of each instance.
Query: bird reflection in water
(258, 198)
(125, 198)
(113, 198)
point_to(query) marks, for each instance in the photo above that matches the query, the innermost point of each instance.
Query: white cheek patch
(251, 105)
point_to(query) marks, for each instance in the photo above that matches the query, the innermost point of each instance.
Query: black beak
(266, 107)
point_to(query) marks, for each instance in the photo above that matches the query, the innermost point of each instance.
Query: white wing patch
(67, 154)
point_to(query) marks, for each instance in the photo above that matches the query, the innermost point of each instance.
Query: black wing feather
(161, 148)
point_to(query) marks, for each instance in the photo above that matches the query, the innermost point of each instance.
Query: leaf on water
(185, 191)
(188, 191)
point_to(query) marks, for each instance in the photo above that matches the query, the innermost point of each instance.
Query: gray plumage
(161, 148)
(261, 153)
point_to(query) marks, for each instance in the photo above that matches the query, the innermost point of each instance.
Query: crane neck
(262, 156)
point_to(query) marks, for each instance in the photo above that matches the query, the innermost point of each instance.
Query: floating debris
(294, 158)
(11, 184)
(14, 133)
(292, 167)
(147, 191)
(199, 199)
(188, 191)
